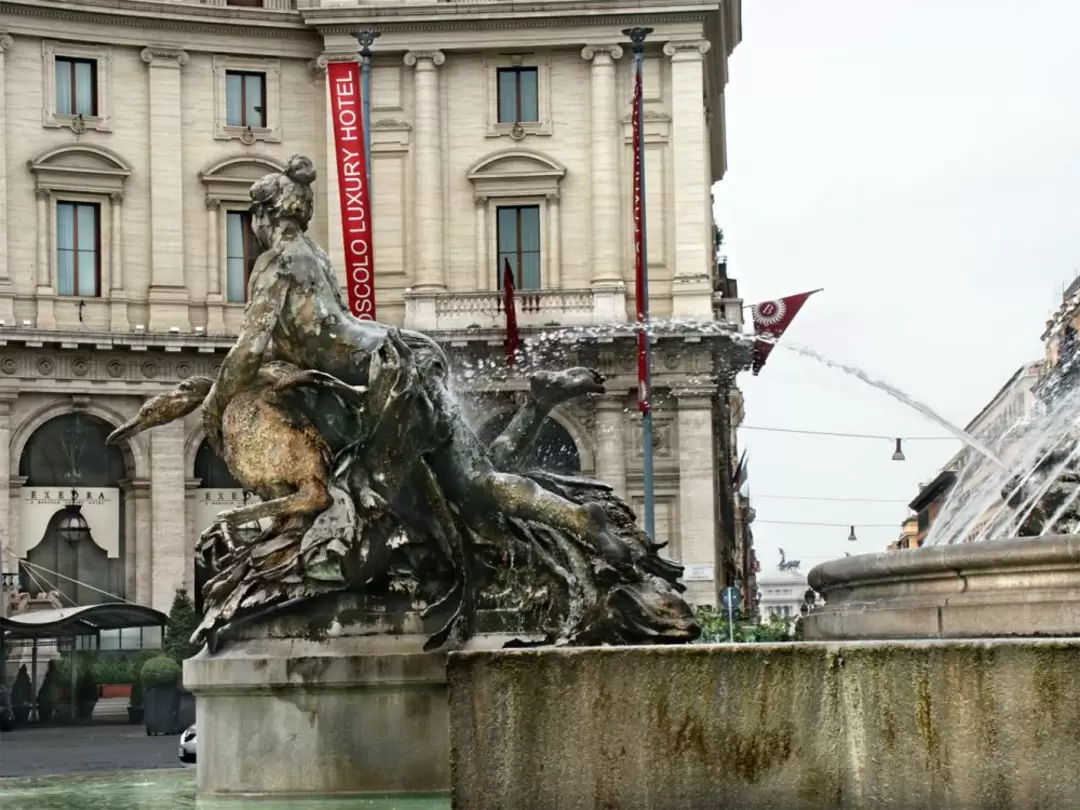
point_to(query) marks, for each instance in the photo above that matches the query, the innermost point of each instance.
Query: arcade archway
(71, 520)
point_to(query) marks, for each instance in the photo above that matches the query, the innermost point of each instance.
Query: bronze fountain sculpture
(375, 483)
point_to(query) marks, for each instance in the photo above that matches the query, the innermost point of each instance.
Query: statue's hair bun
(301, 170)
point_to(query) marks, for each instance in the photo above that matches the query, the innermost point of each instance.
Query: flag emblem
(770, 313)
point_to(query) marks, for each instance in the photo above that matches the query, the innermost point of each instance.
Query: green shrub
(136, 673)
(22, 692)
(183, 621)
(160, 671)
(114, 670)
(714, 627)
(47, 693)
(86, 689)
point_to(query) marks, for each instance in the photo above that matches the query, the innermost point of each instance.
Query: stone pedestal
(305, 705)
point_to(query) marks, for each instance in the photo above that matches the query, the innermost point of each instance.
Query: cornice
(449, 17)
(162, 16)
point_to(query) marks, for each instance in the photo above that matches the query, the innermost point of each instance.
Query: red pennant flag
(640, 292)
(513, 337)
(772, 318)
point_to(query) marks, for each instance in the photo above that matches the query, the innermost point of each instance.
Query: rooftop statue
(373, 480)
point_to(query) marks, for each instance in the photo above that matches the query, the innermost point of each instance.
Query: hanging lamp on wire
(898, 455)
(851, 537)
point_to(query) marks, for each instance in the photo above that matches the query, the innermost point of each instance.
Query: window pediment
(516, 173)
(228, 180)
(80, 167)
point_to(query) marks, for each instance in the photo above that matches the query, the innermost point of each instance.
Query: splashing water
(975, 509)
(556, 344)
(896, 393)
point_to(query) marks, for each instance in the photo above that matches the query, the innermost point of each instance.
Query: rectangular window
(519, 242)
(78, 249)
(519, 100)
(240, 255)
(245, 3)
(245, 99)
(76, 86)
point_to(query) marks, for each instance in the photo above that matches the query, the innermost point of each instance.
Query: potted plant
(47, 697)
(86, 691)
(136, 702)
(183, 621)
(161, 695)
(115, 677)
(21, 694)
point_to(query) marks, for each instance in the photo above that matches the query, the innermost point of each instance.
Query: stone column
(215, 301)
(44, 277)
(485, 271)
(167, 498)
(6, 301)
(553, 281)
(697, 487)
(143, 541)
(611, 441)
(46, 314)
(692, 281)
(191, 533)
(168, 290)
(604, 180)
(427, 166)
(116, 291)
(7, 550)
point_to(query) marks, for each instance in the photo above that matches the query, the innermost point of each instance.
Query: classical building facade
(130, 131)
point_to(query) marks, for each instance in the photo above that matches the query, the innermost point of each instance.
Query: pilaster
(168, 289)
(605, 200)
(7, 314)
(46, 315)
(691, 284)
(428, 212)
(142, 542)
(116, 290)
(610, 458)
(7, 561)
(215, 301)
(167, 498)
(697, 486)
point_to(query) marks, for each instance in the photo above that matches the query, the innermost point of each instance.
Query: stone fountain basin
(1018, 587)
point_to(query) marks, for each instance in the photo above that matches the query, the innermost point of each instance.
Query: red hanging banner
(640, 294)
(345, 102)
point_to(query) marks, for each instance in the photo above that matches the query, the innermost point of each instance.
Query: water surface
(173, 790)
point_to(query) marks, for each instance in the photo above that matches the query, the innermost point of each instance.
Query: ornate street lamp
(72, 526)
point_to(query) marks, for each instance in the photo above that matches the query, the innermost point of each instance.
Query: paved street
(54, 750)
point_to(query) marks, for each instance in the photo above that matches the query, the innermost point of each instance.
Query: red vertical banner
(347, 109)
(513, 336)
(640, 292)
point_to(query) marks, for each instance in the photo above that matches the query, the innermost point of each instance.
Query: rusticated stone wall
(983, 725)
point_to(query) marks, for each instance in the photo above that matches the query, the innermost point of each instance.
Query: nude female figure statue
(296, 314)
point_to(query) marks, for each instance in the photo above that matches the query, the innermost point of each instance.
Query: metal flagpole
(637, 40)
(366, 39)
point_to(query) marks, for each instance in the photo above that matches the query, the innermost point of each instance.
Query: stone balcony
(536, 309)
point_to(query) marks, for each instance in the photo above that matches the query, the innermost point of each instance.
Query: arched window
(70, 450)
(211, 470)
(554, 450)
(72, 511)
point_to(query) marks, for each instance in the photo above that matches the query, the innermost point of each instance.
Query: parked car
(7, 714)
(187, 745)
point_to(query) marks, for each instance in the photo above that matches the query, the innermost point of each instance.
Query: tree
(183, 621)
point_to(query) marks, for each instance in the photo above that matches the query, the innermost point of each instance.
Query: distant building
(782, 592)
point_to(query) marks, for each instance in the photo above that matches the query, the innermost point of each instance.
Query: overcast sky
(921, 162)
